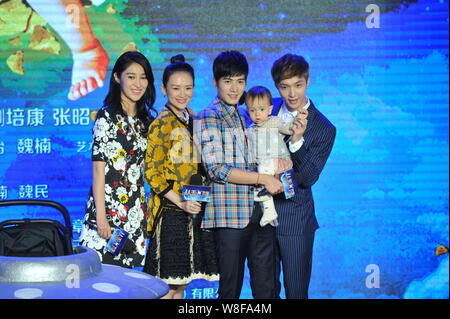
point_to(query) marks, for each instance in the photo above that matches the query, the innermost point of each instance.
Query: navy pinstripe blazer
(296, 215)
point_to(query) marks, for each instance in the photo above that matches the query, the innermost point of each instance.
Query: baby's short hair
(257, 92)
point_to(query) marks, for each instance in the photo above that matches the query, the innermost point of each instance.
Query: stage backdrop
(379, 72)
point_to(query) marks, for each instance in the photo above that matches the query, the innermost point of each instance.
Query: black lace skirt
(180, 251)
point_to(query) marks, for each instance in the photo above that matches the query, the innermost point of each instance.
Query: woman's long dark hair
(145, 105)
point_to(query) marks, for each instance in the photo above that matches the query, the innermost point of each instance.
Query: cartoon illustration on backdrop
(69, 19)
(37, 30)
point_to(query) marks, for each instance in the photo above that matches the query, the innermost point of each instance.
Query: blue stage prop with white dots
(77, 276)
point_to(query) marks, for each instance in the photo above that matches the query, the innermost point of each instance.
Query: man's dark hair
(230, 63)
(289, 66)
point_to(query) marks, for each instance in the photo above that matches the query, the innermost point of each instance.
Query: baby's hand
(302, 114)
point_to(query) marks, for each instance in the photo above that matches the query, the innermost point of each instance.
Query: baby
(267, 135)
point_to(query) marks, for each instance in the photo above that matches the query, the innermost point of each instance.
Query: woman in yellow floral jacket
(179, 250)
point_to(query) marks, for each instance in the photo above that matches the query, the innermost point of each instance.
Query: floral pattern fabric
(170, 161)
(120, 143)
(179, 250)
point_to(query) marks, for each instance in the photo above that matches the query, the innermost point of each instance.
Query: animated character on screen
(69, 19)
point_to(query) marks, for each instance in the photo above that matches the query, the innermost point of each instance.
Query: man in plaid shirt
(231, 168)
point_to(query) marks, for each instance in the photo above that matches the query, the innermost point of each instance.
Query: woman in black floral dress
(117, 196)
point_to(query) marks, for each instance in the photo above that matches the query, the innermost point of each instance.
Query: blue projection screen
(379, 72)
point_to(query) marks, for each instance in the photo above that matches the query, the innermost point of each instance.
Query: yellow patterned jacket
(169, 160)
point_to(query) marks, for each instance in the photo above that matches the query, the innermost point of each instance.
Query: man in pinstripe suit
(310, 145)
(232, 214)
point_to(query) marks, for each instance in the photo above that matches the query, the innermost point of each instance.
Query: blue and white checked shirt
(223, 147)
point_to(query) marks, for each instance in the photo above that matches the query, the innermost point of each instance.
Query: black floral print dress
(120, 143)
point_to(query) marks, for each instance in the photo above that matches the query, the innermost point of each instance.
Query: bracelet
(257, 179)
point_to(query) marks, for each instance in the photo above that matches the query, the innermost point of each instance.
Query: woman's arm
(157, 151)
(189, 206)
(98, 189)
